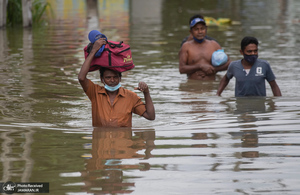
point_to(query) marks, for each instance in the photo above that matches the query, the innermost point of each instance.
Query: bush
(14, 12)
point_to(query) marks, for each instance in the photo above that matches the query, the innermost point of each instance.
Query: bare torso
(200, 54)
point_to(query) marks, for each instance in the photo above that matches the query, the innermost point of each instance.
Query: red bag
(115, 56)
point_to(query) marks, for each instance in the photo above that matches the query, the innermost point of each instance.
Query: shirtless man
(195, 55)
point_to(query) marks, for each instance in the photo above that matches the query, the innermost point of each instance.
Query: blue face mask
(110, 88)
(250, 58)
(198, 40)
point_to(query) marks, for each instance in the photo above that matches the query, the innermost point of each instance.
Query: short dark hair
(102, 70)
(195, 16)
(248, 40)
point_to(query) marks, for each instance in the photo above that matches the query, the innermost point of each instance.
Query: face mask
(110, 88)
(198, 40)
(250, 58)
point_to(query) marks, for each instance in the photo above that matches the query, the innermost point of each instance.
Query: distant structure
(26, 13)
(3, 5)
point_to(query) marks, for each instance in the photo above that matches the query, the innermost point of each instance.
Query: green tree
(14, 12)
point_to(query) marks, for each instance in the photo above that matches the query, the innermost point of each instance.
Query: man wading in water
(112, 105)
(195, 55)
(250, 72)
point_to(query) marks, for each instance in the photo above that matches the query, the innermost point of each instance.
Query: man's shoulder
(189, 42)
(261, 61)
(214, 44)
(127, 92)
(187, 46)
(235, 63)
(212, 41)
(188, 38)
(94, 86)
(210, 38)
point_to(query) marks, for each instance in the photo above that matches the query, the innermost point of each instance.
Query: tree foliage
(14, 12)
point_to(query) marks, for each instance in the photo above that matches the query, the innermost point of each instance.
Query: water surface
(198, 144)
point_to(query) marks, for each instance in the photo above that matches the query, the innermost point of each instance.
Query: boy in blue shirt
(250, 72)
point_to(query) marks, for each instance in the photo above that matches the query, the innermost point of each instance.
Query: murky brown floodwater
(199, 143)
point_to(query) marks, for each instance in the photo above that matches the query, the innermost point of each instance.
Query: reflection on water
(10, 158)
(105, 171)
(205, 87)
(198, 143)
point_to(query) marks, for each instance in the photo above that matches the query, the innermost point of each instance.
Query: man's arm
(223, 83)
(87, 63)
(150, 111)
(184, 68)
(275, 89)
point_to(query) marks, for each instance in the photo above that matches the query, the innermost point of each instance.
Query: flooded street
(199, 143)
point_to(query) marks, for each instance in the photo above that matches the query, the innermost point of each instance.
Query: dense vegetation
(14, 12)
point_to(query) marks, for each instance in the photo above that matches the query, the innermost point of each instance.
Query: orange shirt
(117, 115)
